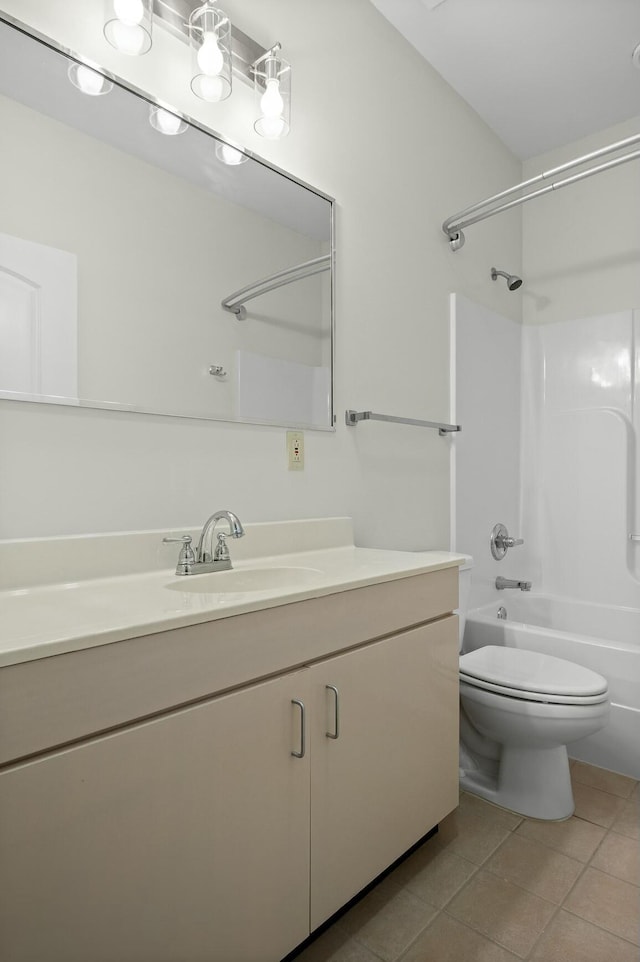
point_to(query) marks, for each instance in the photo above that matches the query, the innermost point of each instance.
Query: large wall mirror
(119, 245)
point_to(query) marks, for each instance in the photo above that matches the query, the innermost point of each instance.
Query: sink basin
(247, 579)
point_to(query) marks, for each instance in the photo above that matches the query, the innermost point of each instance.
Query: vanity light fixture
(272, 85)
(89, 81)
(166, 122)
(220, 50)
(230, 155)
(210, 38)
(128, 25)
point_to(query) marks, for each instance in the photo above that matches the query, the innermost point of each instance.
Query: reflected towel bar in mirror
(352, 418)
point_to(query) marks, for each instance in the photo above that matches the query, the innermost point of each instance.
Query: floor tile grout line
(418, 936)
(487, 938)
(575, 779)
(585, 866)
(604, 871)
(453, 918)
(482, 866)
(630, 838)
(440, 908)
(601, 928)
(617, 878)
(563, 908)
(530, 891)
(442, 911)
(561, 852)
(404, 951)
(559, 908)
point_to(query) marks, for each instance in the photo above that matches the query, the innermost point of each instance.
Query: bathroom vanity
(218, 778)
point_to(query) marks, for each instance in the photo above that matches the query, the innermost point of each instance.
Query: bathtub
(603, 638)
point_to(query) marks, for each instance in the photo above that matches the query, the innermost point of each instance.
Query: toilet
(518, 711)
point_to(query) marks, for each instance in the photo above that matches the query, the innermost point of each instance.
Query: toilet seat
(532, 676)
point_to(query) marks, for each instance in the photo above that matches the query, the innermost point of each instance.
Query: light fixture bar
(174, 16)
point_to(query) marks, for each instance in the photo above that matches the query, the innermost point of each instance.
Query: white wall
(398, 157)
(581, 244)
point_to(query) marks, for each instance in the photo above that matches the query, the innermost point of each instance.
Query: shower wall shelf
(235, 302)
(352, 418)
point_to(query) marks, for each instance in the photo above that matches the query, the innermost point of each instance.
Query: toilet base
(529, 781)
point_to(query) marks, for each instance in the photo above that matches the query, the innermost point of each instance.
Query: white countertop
(44, 620)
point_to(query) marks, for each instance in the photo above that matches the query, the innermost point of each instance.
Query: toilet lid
(530, 674)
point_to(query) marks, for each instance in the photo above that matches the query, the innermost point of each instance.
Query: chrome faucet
(206, 558)
(510, 583)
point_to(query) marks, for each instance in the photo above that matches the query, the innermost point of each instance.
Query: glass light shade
(89, 81)
(272, 89)
(166, 122)
(128, 25)
(210, 37)
(230, 155)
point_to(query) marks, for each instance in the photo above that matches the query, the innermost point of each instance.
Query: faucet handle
(222, 550)
(511, 542)
(186, 557)
(501, 541)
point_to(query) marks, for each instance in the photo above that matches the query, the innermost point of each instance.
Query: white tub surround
(41, 618)
(149, 787)
(600, 637)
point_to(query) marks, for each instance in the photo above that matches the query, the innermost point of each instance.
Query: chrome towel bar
(352, 418)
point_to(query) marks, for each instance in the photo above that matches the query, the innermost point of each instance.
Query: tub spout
(511, 583)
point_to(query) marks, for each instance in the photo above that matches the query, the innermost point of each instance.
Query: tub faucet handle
(512, 542)
(501, 541)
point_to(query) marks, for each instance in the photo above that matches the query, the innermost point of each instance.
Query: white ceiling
(541, 73)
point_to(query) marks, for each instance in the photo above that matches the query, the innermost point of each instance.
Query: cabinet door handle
(336, 713)
(301, 753)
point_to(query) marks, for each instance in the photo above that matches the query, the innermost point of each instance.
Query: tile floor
(494, 887)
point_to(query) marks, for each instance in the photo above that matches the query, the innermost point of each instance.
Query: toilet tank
(464, 591)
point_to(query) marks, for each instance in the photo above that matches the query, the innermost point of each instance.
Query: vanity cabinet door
(181, 839)
(392, 773)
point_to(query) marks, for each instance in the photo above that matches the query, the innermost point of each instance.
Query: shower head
(513, 282)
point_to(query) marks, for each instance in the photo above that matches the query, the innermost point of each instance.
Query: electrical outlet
(295, 450)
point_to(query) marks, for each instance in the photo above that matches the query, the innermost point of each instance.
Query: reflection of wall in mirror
(287, 392)
(38, 320)
(156, 254)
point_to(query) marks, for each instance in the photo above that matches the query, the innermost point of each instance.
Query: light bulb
(212, 89)
(166, 122)
(129, 38)
(130, 12)
(229, 155)
(271, 127)
(210, 58)
(89, 81)
(271, 102)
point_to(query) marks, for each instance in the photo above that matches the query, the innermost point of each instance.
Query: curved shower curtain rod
(454, 225)
(235, 302)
